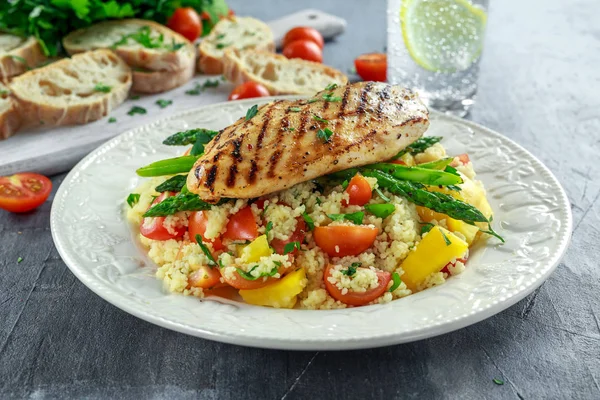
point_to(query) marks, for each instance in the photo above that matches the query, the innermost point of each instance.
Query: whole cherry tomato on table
(303, 33)
(372, 67)
(248, 90)
(24, 191)
(186, 22)
(304, 49)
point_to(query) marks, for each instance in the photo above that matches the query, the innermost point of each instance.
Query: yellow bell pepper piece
(252, 252)
(281, 294)
(431, 255)
(454, 225)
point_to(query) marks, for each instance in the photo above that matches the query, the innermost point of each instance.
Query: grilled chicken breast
(288, 142)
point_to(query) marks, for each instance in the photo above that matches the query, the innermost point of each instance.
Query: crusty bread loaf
(75, 90)
(18, 54)
(172, 53)
(10, 120)
(279, 74)
(232, 32)
(145, 81)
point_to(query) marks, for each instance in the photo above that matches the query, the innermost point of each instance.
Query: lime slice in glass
(443, 35)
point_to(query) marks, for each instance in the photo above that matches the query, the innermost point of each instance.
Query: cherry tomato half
(303, 33)
(197, 226)
(357, 298)
(248, 90)
(304, 49)
(372, 67)
(205, 277)
(344, 240)
(154, 227)
(359, 191)
(242, 226)
(236, 281)
(24, 191)
(397, 161)
(297, 236)
(186, 22)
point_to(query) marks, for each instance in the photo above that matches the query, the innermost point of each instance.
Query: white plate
(531, 211)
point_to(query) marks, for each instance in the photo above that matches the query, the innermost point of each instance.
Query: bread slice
(10, 120)
(279, 74)
(18, 54)
(232, 32)
(157, 47)
(69, 91)
(146, 81)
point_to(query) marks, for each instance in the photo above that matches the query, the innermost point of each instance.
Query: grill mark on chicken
(304, 117)
(252, 173)
(383, 96)
(210, 179)
(232, 175)
(344, 101)
(273, 163)
(237, 144)
(265, 120)
(360, 109)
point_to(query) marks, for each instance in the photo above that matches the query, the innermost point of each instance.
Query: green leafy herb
(310, 101)
(222, 45)
(324, 134)
(318, 200)
(317, 118)
(397, 281)
(309, 221)
(356, 218)
(383, 196)
(176, 46)
(164, 103)
(136, 97)
(380, 210)
(173, 184)
(351, 269)
(19, 260)
(112, 120)
(201, 87)
(291, 246)
(211, 260)
(294, 109)
(252, 111)
(426, 228)
(416, 174)
(345, 184)
(136, 110)
(220, 36)
(419, 145)
(446, 240)
(289, 129)
(498, 381)
(4, 92)
(331, 97)
(248, 275)
(268, 228)
(101, 87)
(170, 166)
(331, 86)
(191, 136)
(174, 204)
(132, 199)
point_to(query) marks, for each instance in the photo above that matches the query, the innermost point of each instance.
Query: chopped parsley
(201, 87)
(136, 97)
(101, 87)
(132, 199)
(312, 101)
(211, 260)
(318, 200)
(112, 120)
(345, 184)
(331, 97)
(163, 103)
(220, 36)
(252, 111)
(144, 37)
(222, 45)
(317, 118)
(383, 196)
(19, 260)
(291, 246)
(498, 381)
(324, 134)
(380, 210)
(294, 109)
(351, 269)
(248, 275)
(136, 110)
(268, 228)
(448, 242)
(397, 281)
(4, 92)
(331, 86)
(309, 221)
(426, 228)
(356, 218)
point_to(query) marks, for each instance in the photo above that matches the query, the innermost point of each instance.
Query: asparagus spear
(190, 137)
(437, 164)
(419, 145)
(173, 184)
(417, 174)
(169, 166)
(174, 204)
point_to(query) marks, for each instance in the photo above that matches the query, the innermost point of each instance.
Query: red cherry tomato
(24, 191)
(154, 227)
(303, 33)
(205, 277)
(242, 226)
(197, 226)
(359, 191)
(462, 160)
(397, 161)
(372, 67)
(248, 90)
(304, 49)
(357, 298)
(186, 22)
(236, 280)
(344, 240)
(297, 236)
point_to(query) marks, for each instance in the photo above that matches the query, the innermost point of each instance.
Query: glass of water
(434, 47)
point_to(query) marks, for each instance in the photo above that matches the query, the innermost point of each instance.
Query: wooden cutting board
(54, 150)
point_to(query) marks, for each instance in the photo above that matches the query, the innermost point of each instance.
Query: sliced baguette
(10, 120)
(18, 55)
(65, 92)
(145, 81)
(106, 34)
(232, 32)
(279, 74)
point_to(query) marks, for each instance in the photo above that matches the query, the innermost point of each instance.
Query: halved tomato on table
(248, 90)
(154, 227)
(23, 192)
(344, 240)
(357, 298)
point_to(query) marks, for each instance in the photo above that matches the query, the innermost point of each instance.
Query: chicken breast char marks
(281, 145)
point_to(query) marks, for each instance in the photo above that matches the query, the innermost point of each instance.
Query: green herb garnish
(331, 97)
(268, 228)
(380, 210)
(101, 87)
(356, 218)
(448, 242)
(498, 381)
(426, 228)
(248, 275)
(317, 118)
(383, 196)
(132, 199)
(164, 103)
(331, 86)
(397, 281)
(136, 97)
(324, 134)
(294, 109)
(173, 184)
(191, 136)
(112, 120)
(174, 204)
(309, 221)
(201, 87)
(351, 269)
(222, 45)
(290, 247)
(220, 36)
(252, 111)
(19, 260)
(211, 260)
(136, 110)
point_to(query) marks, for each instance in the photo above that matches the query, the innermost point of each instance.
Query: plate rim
(378, 340)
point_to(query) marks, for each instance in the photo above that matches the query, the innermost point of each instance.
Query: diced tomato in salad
(154, 227)
(359, 191)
